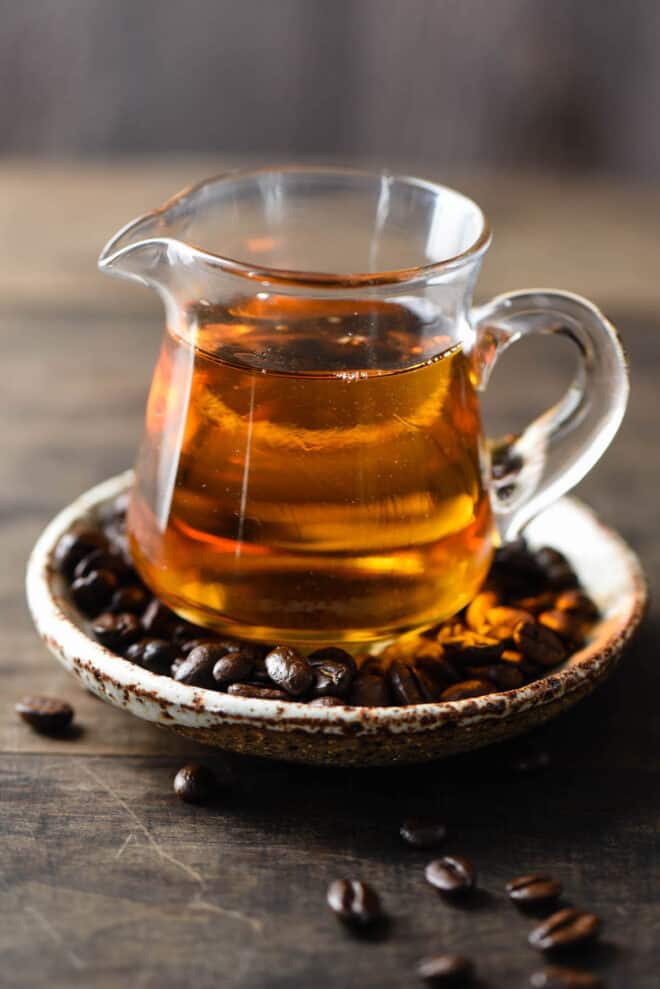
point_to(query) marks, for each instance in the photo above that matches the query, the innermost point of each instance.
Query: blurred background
(550, 84)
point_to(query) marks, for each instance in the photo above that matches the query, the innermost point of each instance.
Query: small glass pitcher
(313, 468)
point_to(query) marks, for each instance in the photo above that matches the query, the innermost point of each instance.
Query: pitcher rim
(291, 276)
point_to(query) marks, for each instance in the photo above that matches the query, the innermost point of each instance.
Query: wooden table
(106, 880)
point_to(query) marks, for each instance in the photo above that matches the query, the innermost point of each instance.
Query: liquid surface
(310, 474)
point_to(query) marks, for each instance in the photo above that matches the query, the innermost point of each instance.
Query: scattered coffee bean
(93, 592)
(558, 977)
(232, 667)
(195, 784)
(567, 928)
(256, 691)
(74, 545)
(451, 874)
(131, 598)
(116, 632)
(422, 832)
(47, 715)
(446, 970)
(370, 690)
(334, 670)
(289, 670)
(466, 688)
(354, 902)
(539, 644)
(197, 668)
(533, 890)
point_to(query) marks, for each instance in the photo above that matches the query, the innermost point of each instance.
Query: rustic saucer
(608, 569)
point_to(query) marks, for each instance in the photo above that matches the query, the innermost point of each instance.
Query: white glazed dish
(608, 569)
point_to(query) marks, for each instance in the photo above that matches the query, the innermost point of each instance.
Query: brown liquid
(296, 484)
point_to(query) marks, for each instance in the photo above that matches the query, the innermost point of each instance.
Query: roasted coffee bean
(423, 832)
(540, 644)
(558, 977)
(451, 874)
(536, 602)
(92, 593)
(233, 667)
(334, 670)
(441, 672)
(370, 690)
(446, 970)
(533, 890)
(156, 655)
(74, 545)
(195, 784)
(116, 632)
(478, 609)
(327, 701)
(557, 571)
(187, 647)
(565, 625)
(505, 619)
(256, 691)
(408, 685)
(47, 715)
(158, 620)
(576, 603)
(467, 688)
(289, 670)
(427, 650)
(471, 649)
(354, 902)
(514, 568)
(502, 675)
(175, 665)
(132, 598)
(568, 928)
(101, 559)
(196, 669)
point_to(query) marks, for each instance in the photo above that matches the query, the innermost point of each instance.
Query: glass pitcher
(313, 468)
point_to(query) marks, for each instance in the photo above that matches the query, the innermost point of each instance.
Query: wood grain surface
(105, 879)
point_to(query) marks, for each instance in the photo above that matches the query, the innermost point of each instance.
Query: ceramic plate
(608, 569)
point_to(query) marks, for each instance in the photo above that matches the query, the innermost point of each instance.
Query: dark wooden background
(105, 879)
(475, 83)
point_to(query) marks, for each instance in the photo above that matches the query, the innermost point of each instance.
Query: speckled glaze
(356, 736)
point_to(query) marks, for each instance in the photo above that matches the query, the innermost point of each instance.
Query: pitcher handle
(533, 469)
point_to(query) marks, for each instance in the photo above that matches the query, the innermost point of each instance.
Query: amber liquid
(310, 474)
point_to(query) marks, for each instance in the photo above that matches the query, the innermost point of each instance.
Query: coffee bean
(256, 691)
(132, 598)
(515, 568)
(156, 655)
(421, 832)
(101, 559)
(451, 874)
(195, 784)
(466, 688)
(74, 545)
(576, 603)
(175, 666)
(567, 928)
(116, 632)
(557, 571)
(558, 977)
(185, 648)
(196, 669)
(566, 626)
(158, 620)
(327, 701)
(540, 644)
(536, 603)
(476, 613)
(505, 619)
(467, 648)
(446, 970)
(93, 592)
(354, 902)
(334, 670)
(370, 690)
(408, 685)
(233, 667)
(289, 670)
(47, 715)
(504, 677)
(532, 890)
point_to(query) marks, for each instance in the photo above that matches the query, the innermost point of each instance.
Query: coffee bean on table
(559, 977)
(446, 970)
(47, 715)
(131, 598)
(233, 667)
(116, 632)
(257, 691)
(75, 544)
(195, 784)
(289, 670)
(540, 644)
(92, 593)
(568, 928)
(423, 832)
(370, 690)
(196, 669)
(532, 890)
(467, 688)
(451, 875)
(354, 902)
(334, 670)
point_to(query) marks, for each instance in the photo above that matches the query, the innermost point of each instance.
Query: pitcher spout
(138, 251)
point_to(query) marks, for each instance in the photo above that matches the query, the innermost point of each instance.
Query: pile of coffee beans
(529, 617)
